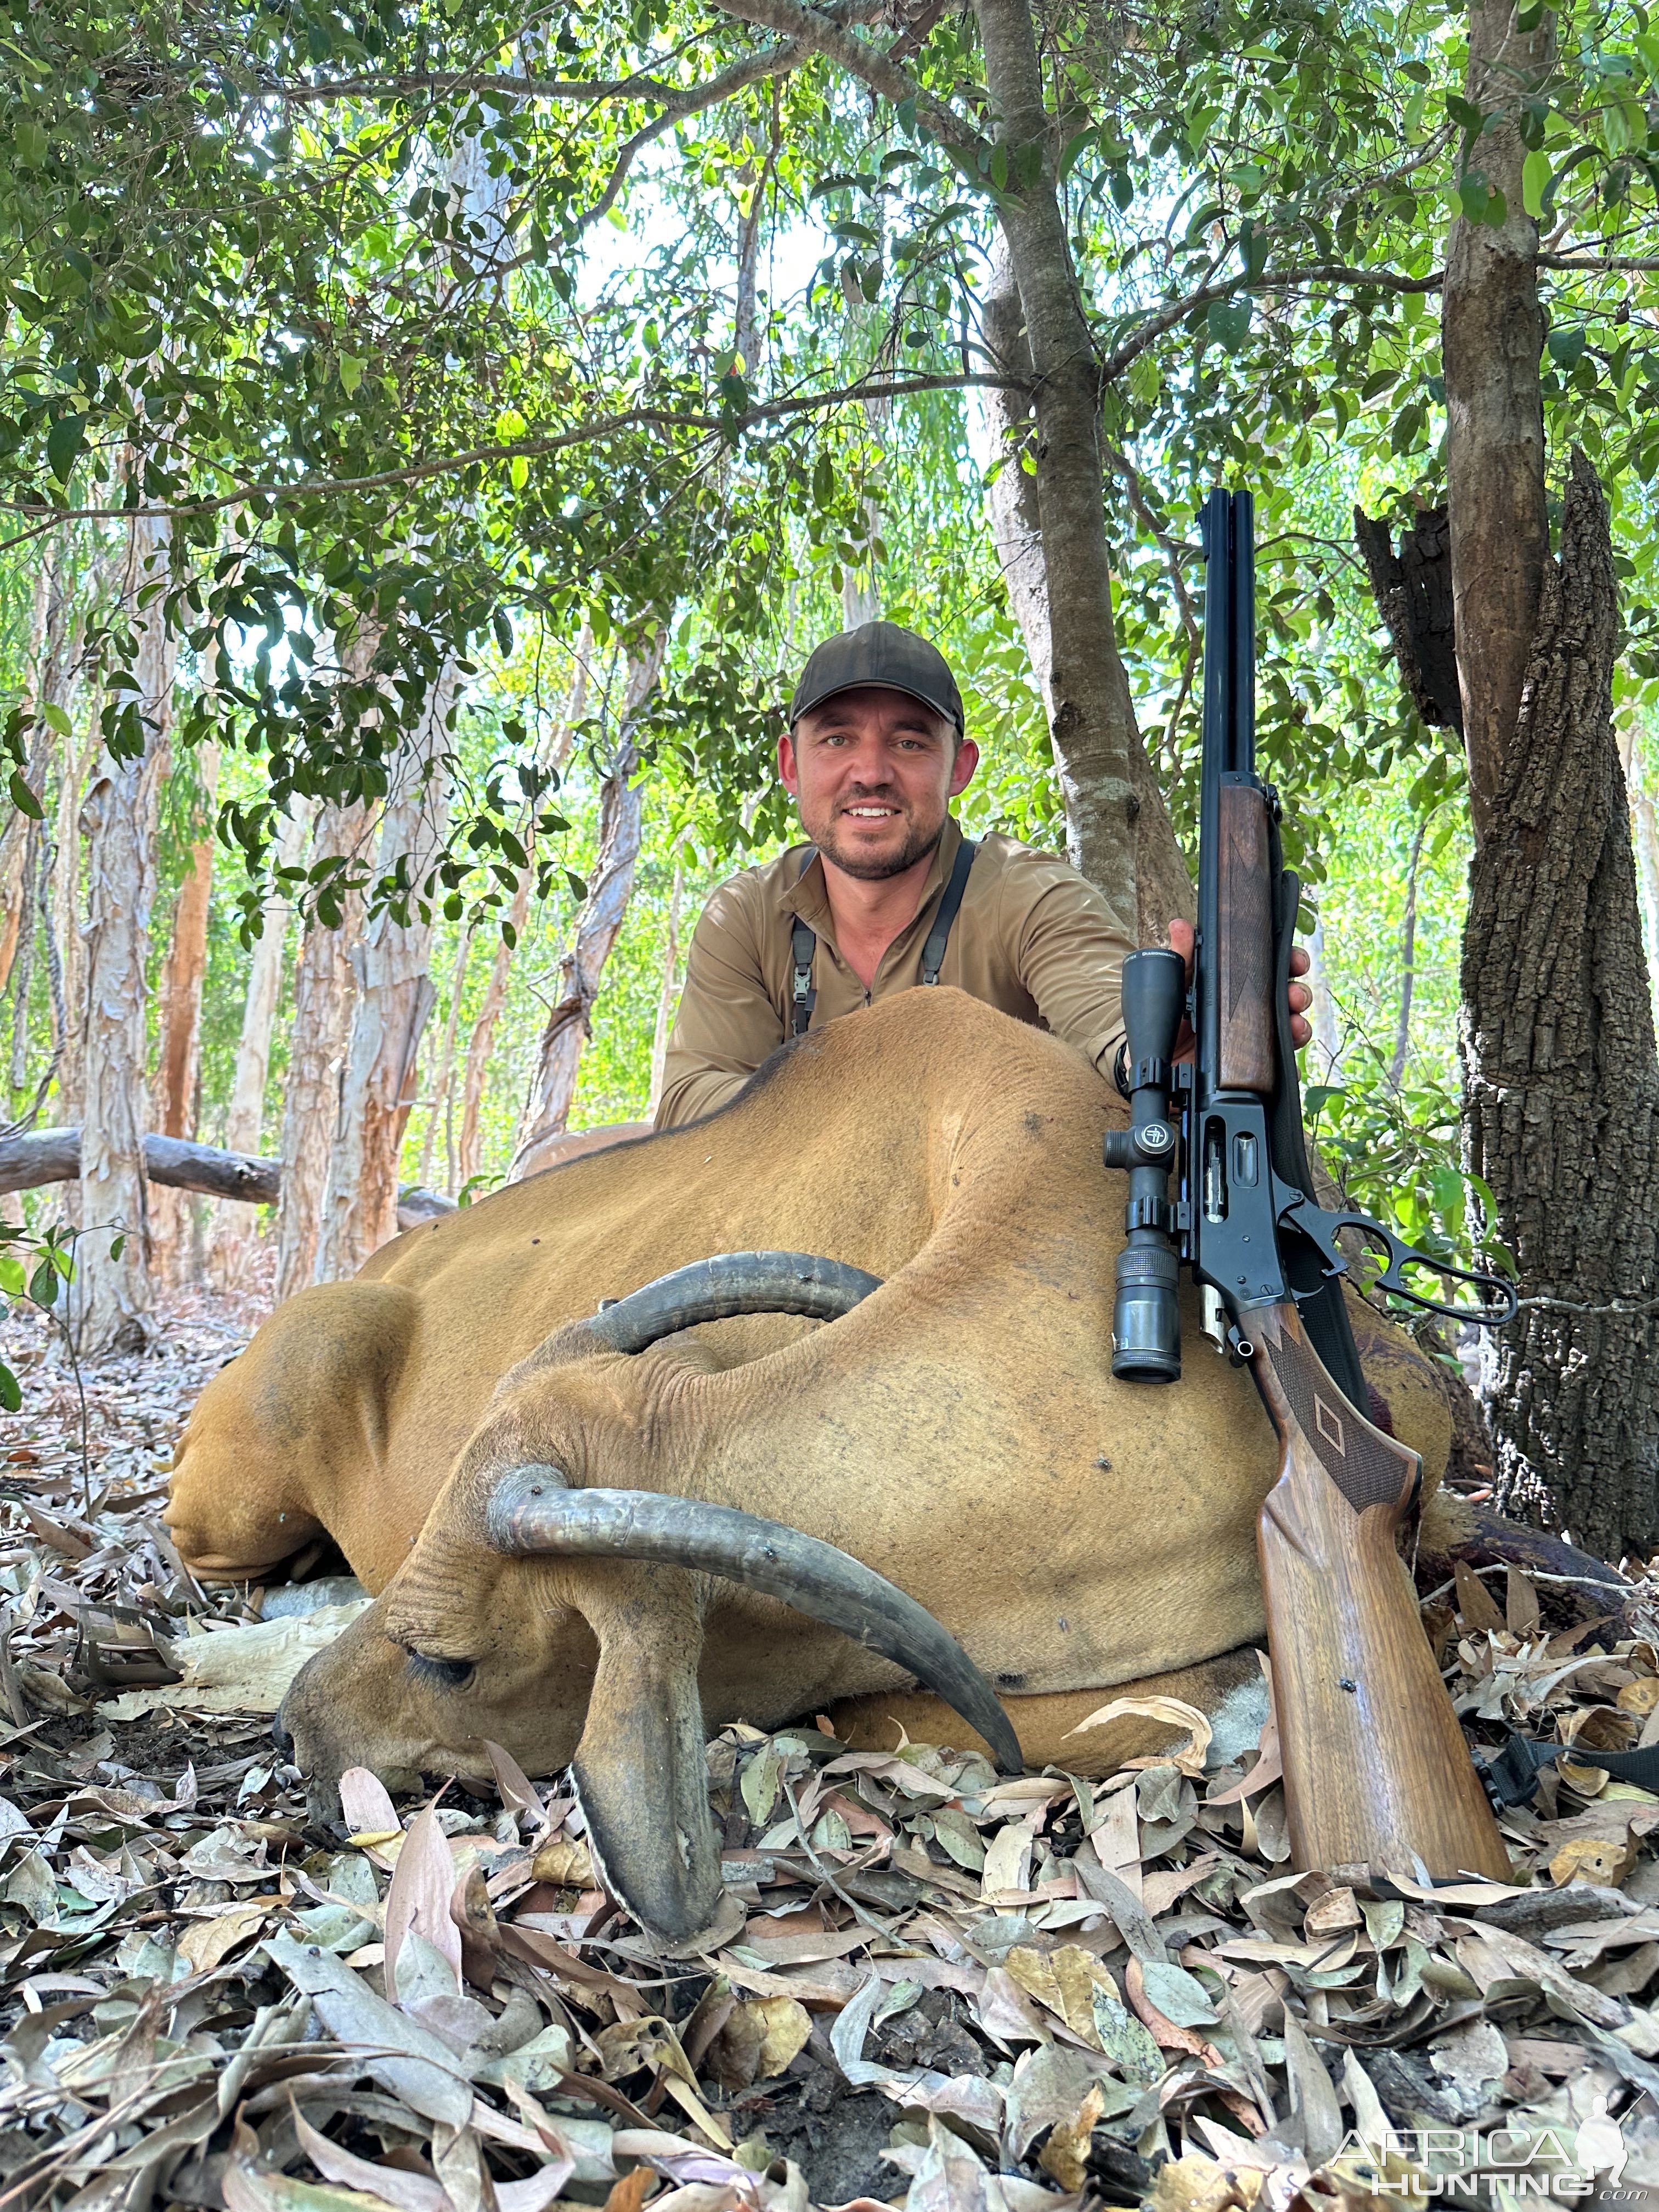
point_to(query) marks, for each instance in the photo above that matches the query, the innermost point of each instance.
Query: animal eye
(442, 1673)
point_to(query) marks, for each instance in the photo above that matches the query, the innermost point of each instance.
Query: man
(888, 895)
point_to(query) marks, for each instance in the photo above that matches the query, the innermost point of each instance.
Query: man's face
(874, 772)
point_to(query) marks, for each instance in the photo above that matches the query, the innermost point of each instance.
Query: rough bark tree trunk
(179, 1070)
(1118, 831)
(1492, 337)
(323, 985)
(553, 1085)
(394, 997)
(1562, 1080)
(111, 1295)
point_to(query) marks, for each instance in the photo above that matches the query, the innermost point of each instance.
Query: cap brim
(800, 707)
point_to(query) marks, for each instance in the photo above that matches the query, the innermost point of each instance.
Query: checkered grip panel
(1364, 1466)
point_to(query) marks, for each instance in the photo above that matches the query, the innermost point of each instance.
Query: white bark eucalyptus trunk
(324, 985)
(244, 1126)
(393, 1000)
(558, 1057)
(481, 1046)
(668, 997)
(112, 1292)
(172, 1213)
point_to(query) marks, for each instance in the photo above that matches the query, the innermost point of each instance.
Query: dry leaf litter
(929, 1987)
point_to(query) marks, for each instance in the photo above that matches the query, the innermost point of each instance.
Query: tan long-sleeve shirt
(1032, 939)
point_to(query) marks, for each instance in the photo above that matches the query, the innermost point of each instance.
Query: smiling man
(889, 894)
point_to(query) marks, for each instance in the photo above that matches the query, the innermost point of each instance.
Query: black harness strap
(803, 943)
(804, 947)
(932, 953)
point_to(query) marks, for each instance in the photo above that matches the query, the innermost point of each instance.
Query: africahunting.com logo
(1509, 2166)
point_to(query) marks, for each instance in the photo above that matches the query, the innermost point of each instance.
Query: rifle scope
(1146, 1313)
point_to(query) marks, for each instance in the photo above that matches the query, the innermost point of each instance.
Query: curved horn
(530, 1511)
(731, 1283)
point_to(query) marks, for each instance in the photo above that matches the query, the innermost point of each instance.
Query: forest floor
(929, 1988)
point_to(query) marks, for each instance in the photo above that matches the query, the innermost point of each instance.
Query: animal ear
(640, 1771)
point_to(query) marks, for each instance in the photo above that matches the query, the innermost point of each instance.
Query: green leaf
(43, 1285)
(1074, 147)
(11, 1394)
(28, 140)
(1228, 321)
(1567, 345)
(63, 444)
(578, 888)
(23, 799)
(56, 719)
(1534, 183)
(1474, 196)
(351, 373)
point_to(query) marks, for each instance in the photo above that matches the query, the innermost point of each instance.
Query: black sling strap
(804, 942)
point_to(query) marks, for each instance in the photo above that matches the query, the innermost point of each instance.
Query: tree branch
(44, 519)
(816, 28)
(1164, 320)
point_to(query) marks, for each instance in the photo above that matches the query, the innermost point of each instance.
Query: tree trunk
(394, 997)
(1645, 831)
(441, 1112)
(245, 1124)
(1326, 1064)
(668, 997)
(1118, 831)
(469, 1159)
(78, 757)
(323, 985)
(1402, 1033)
(1492, 337)
(1562, 1081)
(110, 1294)
(179, 1072)
(553, 1086)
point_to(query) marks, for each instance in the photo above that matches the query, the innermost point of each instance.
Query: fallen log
(54, 1156)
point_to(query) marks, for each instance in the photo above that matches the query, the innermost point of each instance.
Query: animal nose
(280, 1737)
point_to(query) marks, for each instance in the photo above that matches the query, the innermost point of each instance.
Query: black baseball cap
(879, 652)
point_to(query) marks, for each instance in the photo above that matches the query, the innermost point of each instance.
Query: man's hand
(1300, 998)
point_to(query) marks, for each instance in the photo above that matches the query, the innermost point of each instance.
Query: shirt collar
(804, 894)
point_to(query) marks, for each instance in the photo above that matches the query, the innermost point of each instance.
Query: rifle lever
(1297, 1212)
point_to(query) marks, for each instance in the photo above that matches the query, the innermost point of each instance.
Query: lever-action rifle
(1376, 1770)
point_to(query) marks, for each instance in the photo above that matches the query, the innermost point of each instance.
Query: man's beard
(869, 867)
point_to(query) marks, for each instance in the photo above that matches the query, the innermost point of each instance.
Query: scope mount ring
(1323, 1227)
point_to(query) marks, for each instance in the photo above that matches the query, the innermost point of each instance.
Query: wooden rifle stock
(1377, 1771)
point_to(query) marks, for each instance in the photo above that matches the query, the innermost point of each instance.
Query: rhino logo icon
(1599, 2148)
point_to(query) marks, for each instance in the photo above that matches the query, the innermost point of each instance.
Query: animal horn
(531, 1512)
(731, 1283)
